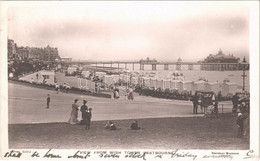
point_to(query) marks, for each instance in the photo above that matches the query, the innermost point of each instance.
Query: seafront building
(226, 62)
(33, 53)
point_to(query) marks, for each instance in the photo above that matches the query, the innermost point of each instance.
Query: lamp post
(244, 75)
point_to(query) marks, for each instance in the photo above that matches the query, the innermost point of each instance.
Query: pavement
(28, 105)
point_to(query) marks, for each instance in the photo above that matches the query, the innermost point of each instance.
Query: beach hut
(199, 86)
(125, 78)
(188, 85)
(227, 87)
(159, 83)
(213, 86)
(116, 78)
(167, 83)
(146, 82)
(108, 80)
(153, 82)
(176, 84)
(134, 80)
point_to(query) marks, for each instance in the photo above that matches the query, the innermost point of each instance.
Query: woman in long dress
(131, 94)
(74, 113)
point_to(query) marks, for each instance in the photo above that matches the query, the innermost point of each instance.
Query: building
(221, 62)
(50, 53)
(46, 54)
(23, 52)
(11, 49)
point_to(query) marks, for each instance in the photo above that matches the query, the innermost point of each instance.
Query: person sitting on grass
(107, 126)
(111, 126)
(135, 126)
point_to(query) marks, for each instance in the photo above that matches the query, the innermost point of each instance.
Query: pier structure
(166, 65)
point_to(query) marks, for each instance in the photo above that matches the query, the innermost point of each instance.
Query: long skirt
(73, 119)
(130, 96)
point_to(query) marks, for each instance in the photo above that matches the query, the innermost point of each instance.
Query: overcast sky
(133, 30)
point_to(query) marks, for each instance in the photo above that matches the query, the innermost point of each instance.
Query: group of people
(87, 115)
(241, 108)
(85, 111)
(129, 93)
(213, 101)
(66, 87)
(111, 126)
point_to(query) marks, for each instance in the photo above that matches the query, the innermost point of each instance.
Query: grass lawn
(157, 133)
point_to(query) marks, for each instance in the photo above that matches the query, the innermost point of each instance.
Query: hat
(85, 101)
(239, 114)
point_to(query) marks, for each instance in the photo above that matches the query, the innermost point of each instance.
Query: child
(48, 101)
(88, 118)
(240, 124)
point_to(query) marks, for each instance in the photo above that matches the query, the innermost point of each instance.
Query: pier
(166, 64)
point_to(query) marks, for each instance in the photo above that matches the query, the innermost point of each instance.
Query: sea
(190, 75)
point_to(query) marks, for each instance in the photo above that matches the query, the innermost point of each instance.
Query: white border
(254, 82)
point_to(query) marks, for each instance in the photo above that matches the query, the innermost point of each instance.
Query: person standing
(216, 106)
(240, 124)
(48, 101)
(57, 87)
(234, 100)
(84, 109)
(74, 113)
(116, 93)
(96, 87)
(131, 94)
(88, 118)
(195, 100)
(67, 88)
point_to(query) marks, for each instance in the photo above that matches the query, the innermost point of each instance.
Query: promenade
(28, 105)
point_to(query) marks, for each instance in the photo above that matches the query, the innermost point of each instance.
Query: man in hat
(84, 109)
(240, 124)
(48, 101)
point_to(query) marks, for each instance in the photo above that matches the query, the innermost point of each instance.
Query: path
(28, 105)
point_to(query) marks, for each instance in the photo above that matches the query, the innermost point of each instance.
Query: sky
(129, 30)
